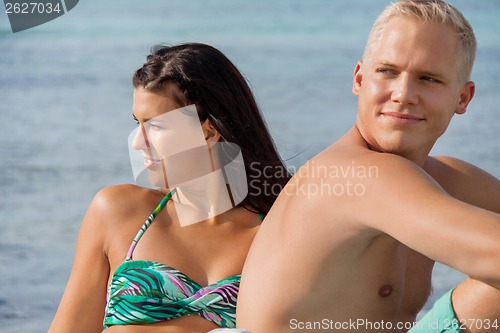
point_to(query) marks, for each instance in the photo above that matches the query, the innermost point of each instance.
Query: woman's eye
(155, 126)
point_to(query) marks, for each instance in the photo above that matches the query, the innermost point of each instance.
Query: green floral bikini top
(146, 292)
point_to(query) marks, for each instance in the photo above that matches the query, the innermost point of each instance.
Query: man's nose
(404, 90)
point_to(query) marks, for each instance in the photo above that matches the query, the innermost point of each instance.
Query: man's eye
(429, 79)
(386, 71)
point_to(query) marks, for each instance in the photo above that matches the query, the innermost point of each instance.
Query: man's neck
(416, 156)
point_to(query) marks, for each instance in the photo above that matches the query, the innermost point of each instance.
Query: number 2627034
(32, 8)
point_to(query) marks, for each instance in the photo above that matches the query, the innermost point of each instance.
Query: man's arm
(475, 303)
(406, 203)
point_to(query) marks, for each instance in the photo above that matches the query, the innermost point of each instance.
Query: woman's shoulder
(126, 200)
(118, 211)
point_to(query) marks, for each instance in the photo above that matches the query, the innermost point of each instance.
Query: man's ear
(210, 133)
(357, 78)
(465, 97)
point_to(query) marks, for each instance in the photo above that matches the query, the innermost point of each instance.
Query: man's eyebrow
(386, 63)
(433, 74)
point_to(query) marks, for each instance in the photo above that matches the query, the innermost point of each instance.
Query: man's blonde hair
(437, 11)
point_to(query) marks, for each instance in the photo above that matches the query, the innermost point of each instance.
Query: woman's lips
(150, 162)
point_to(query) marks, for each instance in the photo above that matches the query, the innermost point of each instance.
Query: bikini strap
(148, 222)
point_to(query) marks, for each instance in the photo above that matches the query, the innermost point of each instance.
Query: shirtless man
(350, 244)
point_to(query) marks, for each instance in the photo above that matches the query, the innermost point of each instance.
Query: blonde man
(350, 243)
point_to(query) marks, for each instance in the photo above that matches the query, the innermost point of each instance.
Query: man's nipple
(385, 290)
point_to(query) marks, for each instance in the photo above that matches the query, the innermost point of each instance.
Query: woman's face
(166, 133)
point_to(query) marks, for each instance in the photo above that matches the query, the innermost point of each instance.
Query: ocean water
(65, 105)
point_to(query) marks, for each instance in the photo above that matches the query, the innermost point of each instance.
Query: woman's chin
(157, 179)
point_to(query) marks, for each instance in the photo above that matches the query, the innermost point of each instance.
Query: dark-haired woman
(199, 130)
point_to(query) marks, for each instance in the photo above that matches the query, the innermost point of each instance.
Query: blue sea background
(65, 106)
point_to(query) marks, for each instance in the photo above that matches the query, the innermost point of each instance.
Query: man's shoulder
(448, 163)
(465, 181)
(356, 162)
(448, 170)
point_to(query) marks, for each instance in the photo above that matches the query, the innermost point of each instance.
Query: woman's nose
(140, 141)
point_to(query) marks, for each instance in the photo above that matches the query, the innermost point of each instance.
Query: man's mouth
(402, 118)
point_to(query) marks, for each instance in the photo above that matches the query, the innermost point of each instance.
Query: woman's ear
(210, 133)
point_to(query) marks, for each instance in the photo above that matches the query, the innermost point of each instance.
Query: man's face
(408, 88)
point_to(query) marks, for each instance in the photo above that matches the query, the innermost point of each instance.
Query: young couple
(316, 262)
